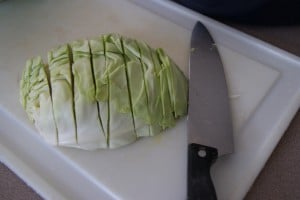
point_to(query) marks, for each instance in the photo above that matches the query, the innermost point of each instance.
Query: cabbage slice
(177, 84)
(121, 124)
(136, 83)
(90, 134)
(168, 119)
(101, 81)
(36, 99)
(152, 87)
(59, 61)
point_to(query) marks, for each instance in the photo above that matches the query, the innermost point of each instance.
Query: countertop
(279, 179)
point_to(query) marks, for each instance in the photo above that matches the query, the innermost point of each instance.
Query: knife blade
(210, 132)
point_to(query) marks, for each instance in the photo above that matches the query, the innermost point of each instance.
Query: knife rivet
(202, 153)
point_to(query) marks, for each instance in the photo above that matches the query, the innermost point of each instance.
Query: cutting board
(263, 85)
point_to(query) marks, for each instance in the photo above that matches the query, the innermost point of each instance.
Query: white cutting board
(263, 83)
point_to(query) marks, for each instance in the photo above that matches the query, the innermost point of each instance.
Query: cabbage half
(105, 92)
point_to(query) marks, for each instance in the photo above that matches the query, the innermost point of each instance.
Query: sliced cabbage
(90, 134)
(152, 86)
(168, 118)
(137, 87)
(121, 127)
(36, 99)
(105, 92)
(177, 84)
(62, 94)
(101, 81)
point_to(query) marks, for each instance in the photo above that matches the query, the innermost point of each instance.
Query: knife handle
(200, 185)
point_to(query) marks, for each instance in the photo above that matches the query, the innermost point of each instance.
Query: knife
(209, 117)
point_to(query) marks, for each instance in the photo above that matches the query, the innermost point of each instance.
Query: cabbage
(137, 88)
(105, 92)
(62, 94)
(101, 82)
(177, 84)
(36, 99)
(90, 133)
(121, 124)
(152, 86)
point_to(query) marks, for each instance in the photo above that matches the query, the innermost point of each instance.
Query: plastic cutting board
(263, 83)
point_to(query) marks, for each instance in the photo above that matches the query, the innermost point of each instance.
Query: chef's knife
(209, 118)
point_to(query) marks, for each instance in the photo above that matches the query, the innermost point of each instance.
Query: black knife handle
(200, 185)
